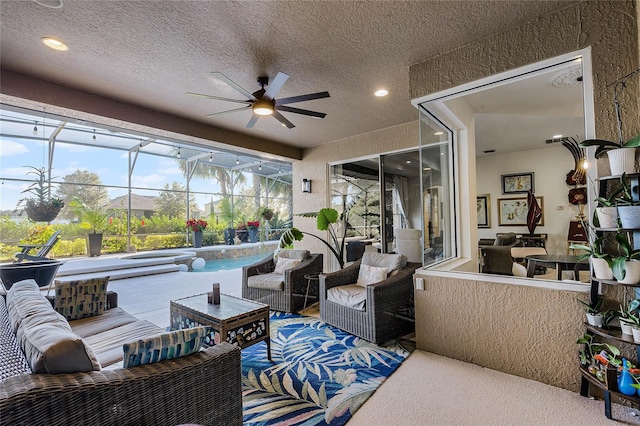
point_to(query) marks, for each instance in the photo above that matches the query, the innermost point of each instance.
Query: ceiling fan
(263, 102)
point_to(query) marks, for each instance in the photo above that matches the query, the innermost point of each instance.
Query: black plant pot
(45, 212)
(94, 244)
(43, 271)
(229, 235)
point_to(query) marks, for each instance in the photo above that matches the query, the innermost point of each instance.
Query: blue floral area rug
(319, 375)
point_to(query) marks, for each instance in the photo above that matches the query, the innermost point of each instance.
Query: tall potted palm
(94, 220)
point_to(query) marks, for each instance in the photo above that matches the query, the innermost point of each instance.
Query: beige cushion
(352, 296)
(408, 234)
(112, 318)
(384, 260)
(270, 281)
(23, 300)
(108, 345)
(52, 349)
(282, 264)
(294, 254)
(368, 275)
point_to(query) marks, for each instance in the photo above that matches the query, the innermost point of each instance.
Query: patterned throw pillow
(169, 345)
(81, 298)
(282, 264)
(370, 275)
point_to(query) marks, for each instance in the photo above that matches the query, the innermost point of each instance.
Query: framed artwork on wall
(513, 211)
(484, 211)
(518, 183)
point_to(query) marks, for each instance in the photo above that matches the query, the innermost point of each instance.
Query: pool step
(115, 268)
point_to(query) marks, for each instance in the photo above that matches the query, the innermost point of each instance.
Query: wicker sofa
(203, 388)
(388, 306)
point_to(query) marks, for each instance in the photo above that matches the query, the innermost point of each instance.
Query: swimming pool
(230, 263)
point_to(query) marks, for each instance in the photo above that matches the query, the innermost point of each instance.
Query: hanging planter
(43, 207)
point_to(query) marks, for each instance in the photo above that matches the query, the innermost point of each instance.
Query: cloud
(149, 181)
(10, 147)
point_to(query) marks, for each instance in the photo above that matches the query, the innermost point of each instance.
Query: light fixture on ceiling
(279, 169)
(408, 161)
(381, 92)
(94, 135)
(439, 133)
(260, 166)
(556, 136)
(179, 153)
(51, 4)
(210, 157)
(306, 185)
(35, 129)
(263, 106)
(237, 160)
(568, 78)
(54, 43)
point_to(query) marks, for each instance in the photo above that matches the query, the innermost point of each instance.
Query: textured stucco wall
(522, 330)
(526, 331)
(314, 167)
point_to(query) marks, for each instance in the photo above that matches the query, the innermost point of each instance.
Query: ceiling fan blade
(233, 84)
(302, 98)
(302, 111)
(252, 121)
(218, 98)
(276, 85)
(283, 120)
(228, 111)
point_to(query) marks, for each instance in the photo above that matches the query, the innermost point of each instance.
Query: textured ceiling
(151, 53)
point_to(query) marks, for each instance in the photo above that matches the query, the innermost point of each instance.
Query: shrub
(154, 242)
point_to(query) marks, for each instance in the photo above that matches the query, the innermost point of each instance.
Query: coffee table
(235, 320)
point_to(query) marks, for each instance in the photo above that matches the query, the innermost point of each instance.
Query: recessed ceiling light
(54, 43)
(381, 92)
(439, 133)
(426, 169)
(557, 136)
(408, 161)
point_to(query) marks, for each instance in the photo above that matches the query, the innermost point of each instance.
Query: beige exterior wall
(524, 330)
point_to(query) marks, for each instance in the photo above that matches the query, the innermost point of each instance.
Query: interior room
(426, 178)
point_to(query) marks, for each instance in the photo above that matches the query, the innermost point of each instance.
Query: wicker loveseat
(202, 388)
(388, 304)
(282, 291)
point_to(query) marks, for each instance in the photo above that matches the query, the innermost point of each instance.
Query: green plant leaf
(634, 142)
(326, 217)
(618, 268)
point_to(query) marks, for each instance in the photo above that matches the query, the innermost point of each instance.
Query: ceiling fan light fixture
(263, 107)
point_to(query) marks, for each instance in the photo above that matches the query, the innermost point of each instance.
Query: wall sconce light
(306, 185)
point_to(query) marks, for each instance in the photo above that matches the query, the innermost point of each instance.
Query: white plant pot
(595, 320)
(632, 272)
(607, 216)
(626, 328)
(601, 268)
(629, 216)
(622, 160)
(636, 333)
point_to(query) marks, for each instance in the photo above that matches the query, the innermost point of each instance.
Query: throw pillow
(81, 298)
(368, 275)
(169, 345)
(282, 264)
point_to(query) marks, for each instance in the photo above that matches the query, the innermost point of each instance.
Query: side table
(311, 279)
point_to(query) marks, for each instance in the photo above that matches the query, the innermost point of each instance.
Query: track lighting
(35, 129)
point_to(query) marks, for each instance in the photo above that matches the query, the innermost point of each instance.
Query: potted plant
(594, 316)
(629, 318)
(600, 260)
(326, 218)
(196, 226)
(625, 266)
(596, 356)
(94, 220)
(43, 207)
(628, 208)
(253, 229)
(607, 210)
(266, 213)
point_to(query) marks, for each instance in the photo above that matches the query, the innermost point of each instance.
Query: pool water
(230, 263)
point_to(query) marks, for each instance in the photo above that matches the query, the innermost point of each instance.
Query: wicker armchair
(388, 305)
(294, 284)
